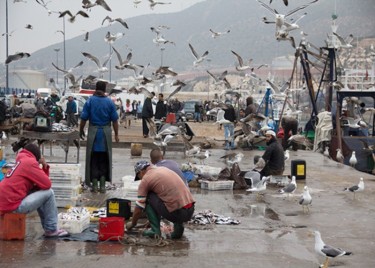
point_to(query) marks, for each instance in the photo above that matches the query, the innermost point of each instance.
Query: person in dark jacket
(161, 108)
(251, 107)
(71, 112)
(229, 115)
(289, 124)
(147, 114)
(273, 157)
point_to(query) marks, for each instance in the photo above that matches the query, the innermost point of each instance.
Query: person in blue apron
(101, 113)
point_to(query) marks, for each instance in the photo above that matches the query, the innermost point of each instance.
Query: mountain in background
(249, 36)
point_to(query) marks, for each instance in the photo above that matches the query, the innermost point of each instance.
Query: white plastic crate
(65, 182)
(217, 185)
(281, 180)
(66, 202)
(66, 191)
(74, 226)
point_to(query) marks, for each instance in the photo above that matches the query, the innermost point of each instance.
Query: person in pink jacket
(27, 187)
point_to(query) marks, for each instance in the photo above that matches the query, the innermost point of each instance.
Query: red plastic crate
(12, 226)
(111, 228)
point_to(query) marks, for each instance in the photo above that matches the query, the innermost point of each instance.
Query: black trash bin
(298, 169)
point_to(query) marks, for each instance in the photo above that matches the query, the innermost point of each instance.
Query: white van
(44, 92)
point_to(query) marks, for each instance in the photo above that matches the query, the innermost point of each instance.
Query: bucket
(298, 169)
(171, 118)
(111, 228)
(136, 149)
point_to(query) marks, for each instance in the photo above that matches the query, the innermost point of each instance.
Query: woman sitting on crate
(161, 193)
(273, 160)
(27, 187)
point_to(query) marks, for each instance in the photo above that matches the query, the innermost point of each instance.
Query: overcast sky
(45, 26)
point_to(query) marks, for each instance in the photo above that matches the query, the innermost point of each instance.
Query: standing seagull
(356, 188)
(259, 187)
(339, 155)
(353, 160)
(290, 188)
(305, 199)
(326, 250)
(198, 59)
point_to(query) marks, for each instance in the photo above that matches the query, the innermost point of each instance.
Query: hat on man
(271, 132)
(34, 149)
(140, 165)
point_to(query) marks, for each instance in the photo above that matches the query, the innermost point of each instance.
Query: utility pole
(6, 44)
(57, 64)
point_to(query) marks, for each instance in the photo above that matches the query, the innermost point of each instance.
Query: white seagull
(111, 38)
(286, 155)
(69, 71)
(356, 188)
(198, 59)
(202, 157)
(119, 20)
(259, 187)
(154, 3)
(217, 34)
(232, 158)
(220, 117)
(87, 4)
(344, 43)
(101, 67)
(353, 160)
(326, 250)
(73, 18)
(241, 66)
(339, 156)
(136, 2)
(122, 63)
(290, 188)
(305, 199)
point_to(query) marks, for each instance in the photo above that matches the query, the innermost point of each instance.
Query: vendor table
(67, 138)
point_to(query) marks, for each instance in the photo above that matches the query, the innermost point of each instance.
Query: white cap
(271, 132)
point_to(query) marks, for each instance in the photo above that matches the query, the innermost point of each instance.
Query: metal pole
(110, 63)
(57, 64)
(64, 53)
(6, 44)
(161, 56)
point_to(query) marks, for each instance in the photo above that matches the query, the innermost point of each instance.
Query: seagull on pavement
(232, 158)
(353, 160)
(259, 187)
(339, 156)
(203, 156)
(198, 59)
(290, 188)
(326, 250)
(356, 188)
(305, 199)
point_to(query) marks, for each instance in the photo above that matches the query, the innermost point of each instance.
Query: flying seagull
(220, 79)
(217, 34)
(87, 4)
(122, 63)
(356, 188)
(198, 59)
(261, 186)
(16, 56)
(154, 3)
(120, 20)
(29, 26)
(111, 38)
(101, 67)
(326, 250)
(305, 199)
(73, 18)
(241, 66)
(69, 71)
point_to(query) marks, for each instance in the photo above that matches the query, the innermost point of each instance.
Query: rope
(158, 241)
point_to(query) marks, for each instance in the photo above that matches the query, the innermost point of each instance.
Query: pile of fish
(208, 217)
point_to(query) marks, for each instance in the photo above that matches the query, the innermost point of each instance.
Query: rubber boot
(154, 220)
(94, 185)
(102, 184)
(178, 230)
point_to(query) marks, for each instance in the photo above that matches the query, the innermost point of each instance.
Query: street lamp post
(6, 44)
(57, 64)
(64, 53)
(161, 64)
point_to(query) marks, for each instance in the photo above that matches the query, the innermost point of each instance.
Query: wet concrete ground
(274, 232)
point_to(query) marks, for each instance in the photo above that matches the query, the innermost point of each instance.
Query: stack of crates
(130, 189)
(66, 183)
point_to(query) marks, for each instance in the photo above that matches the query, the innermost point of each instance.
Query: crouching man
(161, 193)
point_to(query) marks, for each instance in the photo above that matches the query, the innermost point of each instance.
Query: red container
(111, 228)
(12, 226)
(171, 118)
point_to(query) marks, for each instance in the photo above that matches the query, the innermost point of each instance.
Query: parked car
(189, 108)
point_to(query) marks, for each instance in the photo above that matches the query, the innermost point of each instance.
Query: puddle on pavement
(262, 210)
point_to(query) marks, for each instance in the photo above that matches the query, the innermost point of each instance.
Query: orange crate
(12, 226)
